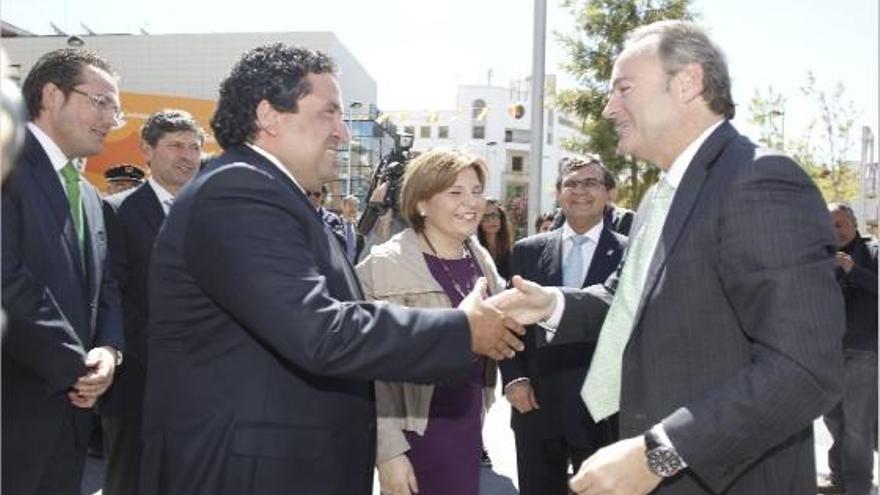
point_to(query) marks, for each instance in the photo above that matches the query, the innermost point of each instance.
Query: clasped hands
(496, 322)
(100, 364)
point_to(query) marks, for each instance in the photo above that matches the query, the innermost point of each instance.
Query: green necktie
(601, 389)
(74, 199)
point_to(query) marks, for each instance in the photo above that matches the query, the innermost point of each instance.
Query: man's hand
(526, 303)
(101, 363)
(618, 469)
(397, 477)
(492, 333)
(844, 261)
(521, 396)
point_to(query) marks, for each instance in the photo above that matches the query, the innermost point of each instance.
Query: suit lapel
(47, 179)
(96, 239)
(149, 207)
(551, 259)
(686, 196)
(602, 257)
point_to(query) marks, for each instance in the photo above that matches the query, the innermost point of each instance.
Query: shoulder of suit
(116, 200)
(537, 240)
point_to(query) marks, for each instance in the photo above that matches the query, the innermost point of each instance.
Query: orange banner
(122, 144)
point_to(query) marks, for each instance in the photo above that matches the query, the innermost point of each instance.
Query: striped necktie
(601, 389)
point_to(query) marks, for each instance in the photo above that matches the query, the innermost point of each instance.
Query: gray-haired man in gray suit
(722, 343)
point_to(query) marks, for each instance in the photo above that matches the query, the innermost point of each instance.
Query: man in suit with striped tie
(722, 343)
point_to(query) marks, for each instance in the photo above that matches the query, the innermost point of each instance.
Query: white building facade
(495, 123)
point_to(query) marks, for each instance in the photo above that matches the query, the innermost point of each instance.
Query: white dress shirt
(166, 199)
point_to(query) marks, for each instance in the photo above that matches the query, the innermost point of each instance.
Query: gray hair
(682, 43)
(845, 208)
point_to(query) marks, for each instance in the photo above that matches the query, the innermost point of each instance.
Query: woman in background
(544, 223)
(495, 235)
(429, 435)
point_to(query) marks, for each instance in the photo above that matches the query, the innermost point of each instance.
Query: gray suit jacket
(736, 346)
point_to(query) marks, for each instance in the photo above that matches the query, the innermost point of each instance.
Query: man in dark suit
(722, 344)
(552, 427)
(64, 335)
(852, 422)
(619, 218)
(260, 357)
(171, 141)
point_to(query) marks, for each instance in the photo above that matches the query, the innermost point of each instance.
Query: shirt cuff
(660, 431)
(552, 321)
(516, 380)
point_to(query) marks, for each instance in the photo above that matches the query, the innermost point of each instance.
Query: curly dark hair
(275, 73)
(63, 68)
(169, 120)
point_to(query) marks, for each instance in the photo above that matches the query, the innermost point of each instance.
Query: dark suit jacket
(59, 304)
(620, 219)
(133, 220)
(860, 294)
(260, 362)
(556, 372)
(736, 347)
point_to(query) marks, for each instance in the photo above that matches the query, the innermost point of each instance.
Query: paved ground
(499, 440)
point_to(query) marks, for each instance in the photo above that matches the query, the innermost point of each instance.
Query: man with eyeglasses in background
(64, 337)
(552, 427)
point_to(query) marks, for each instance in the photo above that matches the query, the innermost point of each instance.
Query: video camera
(390, 171)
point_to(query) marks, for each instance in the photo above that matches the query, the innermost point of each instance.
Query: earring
(422, 213)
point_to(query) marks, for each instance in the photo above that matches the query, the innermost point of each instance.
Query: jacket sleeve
(38, 336)
(775, 257)
(515, 367)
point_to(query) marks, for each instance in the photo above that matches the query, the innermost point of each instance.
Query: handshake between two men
(496, 321)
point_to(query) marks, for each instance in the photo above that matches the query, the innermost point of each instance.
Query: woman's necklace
(462, 291)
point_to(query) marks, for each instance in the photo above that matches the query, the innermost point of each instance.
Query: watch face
(663, 461)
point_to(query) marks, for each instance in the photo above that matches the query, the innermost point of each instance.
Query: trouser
(852, 424)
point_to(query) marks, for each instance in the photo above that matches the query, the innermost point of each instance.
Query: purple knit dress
(446, 458)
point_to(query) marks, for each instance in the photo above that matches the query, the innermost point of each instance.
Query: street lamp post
(351, 142)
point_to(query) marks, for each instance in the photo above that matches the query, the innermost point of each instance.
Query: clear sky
(419, 51)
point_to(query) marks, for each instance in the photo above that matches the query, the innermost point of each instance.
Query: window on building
(411, 130)
(516, 163)
(478, 132)
(425, 131)
(508, 136)
(443, 132)
(477, 109)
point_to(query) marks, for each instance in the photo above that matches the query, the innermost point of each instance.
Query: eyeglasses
(314, 194)
(573, 184)
(105, 104)
(492, 216)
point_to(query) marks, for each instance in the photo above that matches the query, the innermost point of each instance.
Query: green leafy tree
(823, 146)
(601, 28)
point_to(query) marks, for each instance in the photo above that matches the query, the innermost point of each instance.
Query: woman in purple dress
(429, 435)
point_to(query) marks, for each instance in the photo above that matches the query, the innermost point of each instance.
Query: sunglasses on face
(313, 194)
(492, 216)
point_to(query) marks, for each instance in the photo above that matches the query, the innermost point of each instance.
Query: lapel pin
(610, 252)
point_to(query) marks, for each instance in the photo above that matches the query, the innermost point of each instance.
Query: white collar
(56, 156)
(593, 234)
(275, 161)
(680, 165)
(162, 194)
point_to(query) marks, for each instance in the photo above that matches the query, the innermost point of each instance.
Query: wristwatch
(662, 459)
